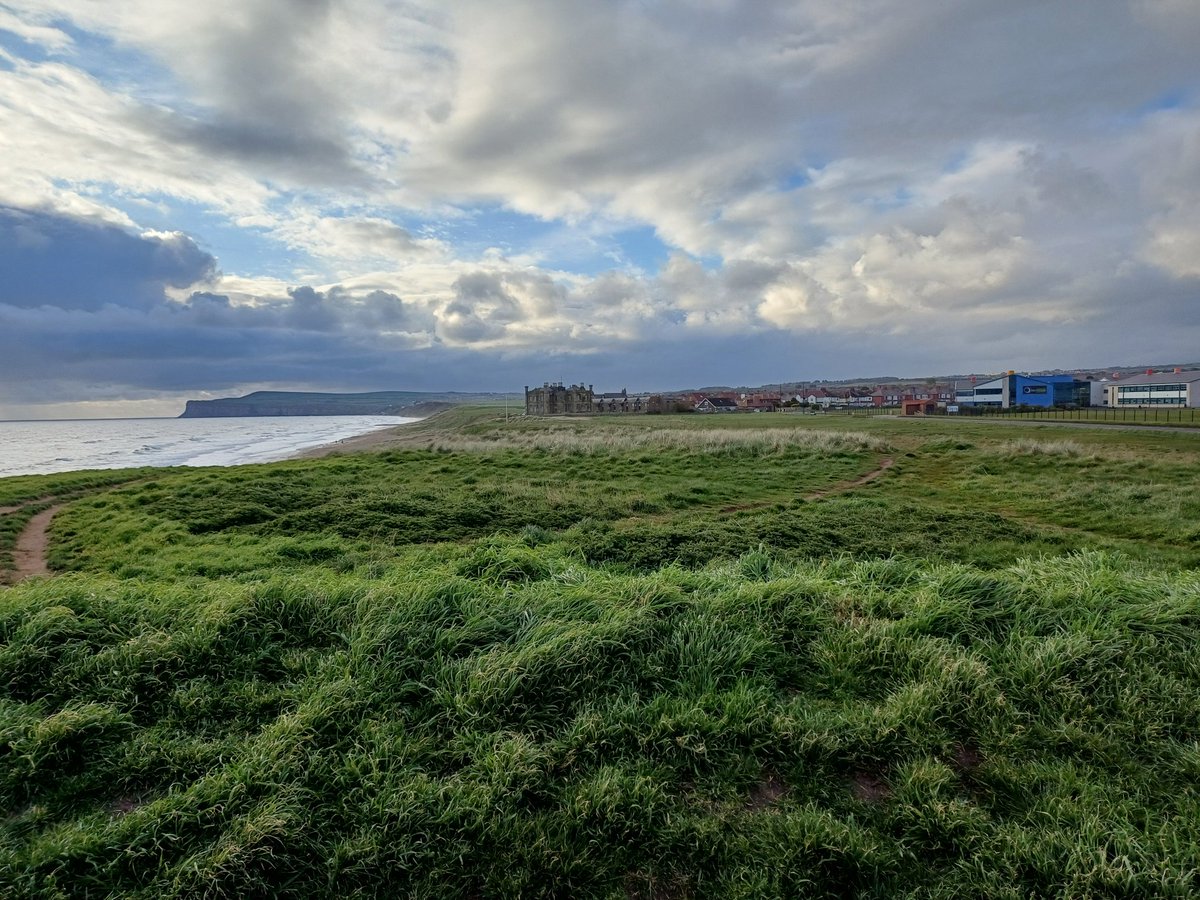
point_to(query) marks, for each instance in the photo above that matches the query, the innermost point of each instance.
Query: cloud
(506, 308)
(51, 260)
(1172, 183)
(34, 31)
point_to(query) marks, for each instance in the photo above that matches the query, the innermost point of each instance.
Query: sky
(199, 199)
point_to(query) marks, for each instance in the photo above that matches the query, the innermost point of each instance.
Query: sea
(45, 447)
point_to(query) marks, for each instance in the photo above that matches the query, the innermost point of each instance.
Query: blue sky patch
(1176, 98)
(956, 162)
(642, 247)
(485, 227)
(112, 64)
(19, 47)
(797, 179)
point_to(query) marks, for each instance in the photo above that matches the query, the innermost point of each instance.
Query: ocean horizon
(48, 446)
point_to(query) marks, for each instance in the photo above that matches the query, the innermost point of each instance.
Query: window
(1151, 401)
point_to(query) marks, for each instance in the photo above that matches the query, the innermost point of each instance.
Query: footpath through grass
(618, 658)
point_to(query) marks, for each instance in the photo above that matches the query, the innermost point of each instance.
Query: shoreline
(43, 448)
(377, 439)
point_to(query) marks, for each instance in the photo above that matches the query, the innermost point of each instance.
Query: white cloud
(34, 31)
(1171, 185)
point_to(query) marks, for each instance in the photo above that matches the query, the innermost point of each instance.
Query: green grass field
(649, 657)
(1174, 417)
(1131, 415)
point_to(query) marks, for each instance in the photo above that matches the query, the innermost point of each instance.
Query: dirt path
(817, 495)
(29, 555)
(850, 485)
(17, 507)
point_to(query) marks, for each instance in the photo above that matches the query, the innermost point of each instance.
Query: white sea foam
(40, 448)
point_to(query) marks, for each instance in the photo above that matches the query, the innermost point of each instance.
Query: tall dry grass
(701, 440)
(1032, 447)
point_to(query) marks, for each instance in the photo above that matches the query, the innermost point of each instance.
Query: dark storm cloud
(336, 309)
(308, 311)
(55, 260)
(55, 355)
(387, 312)
(51, 354)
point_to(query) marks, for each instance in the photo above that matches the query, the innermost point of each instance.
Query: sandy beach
(379, 439)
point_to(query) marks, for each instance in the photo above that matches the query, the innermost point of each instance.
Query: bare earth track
(858, 482)
(817, 495)
(29, 555)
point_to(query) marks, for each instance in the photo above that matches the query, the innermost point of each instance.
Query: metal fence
(1133, 415)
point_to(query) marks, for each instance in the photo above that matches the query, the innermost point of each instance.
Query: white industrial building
(1170, 389)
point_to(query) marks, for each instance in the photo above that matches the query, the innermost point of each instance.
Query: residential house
(716, 404)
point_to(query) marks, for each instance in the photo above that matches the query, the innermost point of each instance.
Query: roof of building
(1049, 379)
(721, 401)
(1189, 377)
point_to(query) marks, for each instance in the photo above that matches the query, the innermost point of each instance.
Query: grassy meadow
(647, 657)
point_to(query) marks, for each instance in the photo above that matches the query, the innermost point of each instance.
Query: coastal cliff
(296, 403)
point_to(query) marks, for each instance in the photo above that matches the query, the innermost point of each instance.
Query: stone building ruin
(556, 399)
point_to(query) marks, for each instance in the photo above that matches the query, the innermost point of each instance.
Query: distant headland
(303, 403)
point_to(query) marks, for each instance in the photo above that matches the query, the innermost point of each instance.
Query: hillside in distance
(303, 403)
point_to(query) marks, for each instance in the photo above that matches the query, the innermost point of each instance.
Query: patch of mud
(769, 791)
(640, 886)
(965, 760)
(869, 787)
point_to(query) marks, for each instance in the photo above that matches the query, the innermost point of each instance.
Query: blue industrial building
(1014, 389)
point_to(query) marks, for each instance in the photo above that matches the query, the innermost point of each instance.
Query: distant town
(1168, 387)
(1153, 387)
